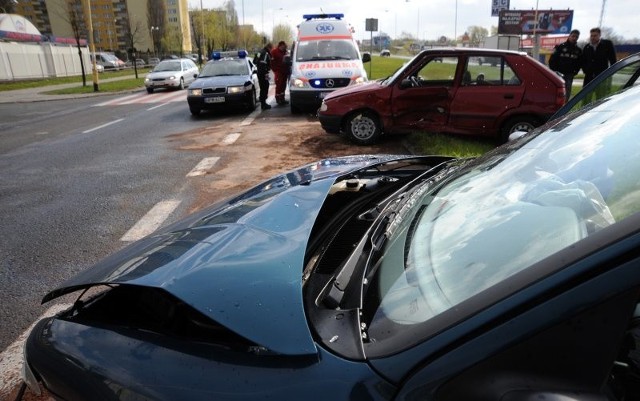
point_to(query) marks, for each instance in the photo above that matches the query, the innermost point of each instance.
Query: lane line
(11, 358)
(230, 138)
(102, 126)
(205, 165)
(155, 107)
(151, 221)
(251, 117)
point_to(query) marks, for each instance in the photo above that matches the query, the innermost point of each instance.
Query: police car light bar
(309, 17)
(230, 54)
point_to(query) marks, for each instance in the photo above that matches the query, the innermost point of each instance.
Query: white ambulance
(325, 58)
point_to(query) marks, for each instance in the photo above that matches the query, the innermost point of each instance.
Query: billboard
(547, 43)
(497, 6)
(519, 22)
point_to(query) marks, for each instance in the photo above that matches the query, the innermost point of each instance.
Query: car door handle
(509, 96)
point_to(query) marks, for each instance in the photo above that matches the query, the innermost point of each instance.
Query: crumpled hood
(207, 82)
(364, 87)
(240, 262)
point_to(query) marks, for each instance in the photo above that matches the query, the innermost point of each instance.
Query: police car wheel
(252, 102)
(363, 128)
(194, 111)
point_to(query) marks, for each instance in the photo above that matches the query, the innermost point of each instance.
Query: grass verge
(425, 143)
(110, 86)
(37, 83)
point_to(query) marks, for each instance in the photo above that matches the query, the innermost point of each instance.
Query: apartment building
(113, 21)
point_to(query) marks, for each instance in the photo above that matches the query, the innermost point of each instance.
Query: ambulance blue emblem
(324, 28)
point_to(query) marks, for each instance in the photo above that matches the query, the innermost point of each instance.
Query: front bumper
(307, 100)
(209, 102)
(330, 123)
(173, 83)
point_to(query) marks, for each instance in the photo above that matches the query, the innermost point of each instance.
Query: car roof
(474, 50)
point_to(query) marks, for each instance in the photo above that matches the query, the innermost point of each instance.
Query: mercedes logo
(329, 83)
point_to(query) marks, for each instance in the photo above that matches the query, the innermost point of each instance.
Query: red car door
(422, 98)
(488, 90)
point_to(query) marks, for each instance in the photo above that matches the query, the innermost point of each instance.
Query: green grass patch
(112, 86)
(425, 143)
(37, 83)
(382, 67)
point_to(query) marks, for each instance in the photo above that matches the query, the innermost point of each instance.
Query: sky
(428, 19)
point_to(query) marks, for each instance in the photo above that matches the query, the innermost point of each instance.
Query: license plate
(215, 99)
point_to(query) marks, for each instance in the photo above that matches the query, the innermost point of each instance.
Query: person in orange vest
(280, 71)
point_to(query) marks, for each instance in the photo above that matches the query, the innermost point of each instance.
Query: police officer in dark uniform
(264, 65)
(567, 60)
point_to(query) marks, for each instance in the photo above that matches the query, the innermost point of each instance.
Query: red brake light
(560, 96)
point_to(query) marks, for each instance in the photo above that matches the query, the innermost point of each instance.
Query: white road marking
(230, 138)
(151, 221)
(155, 107)
(11, 358)
(250, 117)
(204, 166)
(102, 126)
(118, 100)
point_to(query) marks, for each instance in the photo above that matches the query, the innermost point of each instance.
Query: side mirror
(406, 83)
(366, 57)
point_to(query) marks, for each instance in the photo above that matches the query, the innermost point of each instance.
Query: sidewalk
(38, 95)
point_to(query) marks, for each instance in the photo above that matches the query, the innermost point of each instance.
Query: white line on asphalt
(11, 357)
(102, 126)
(155, 107)
(117, 100)
(204, 166)
(250, 118)
(230, 138)
(151, 221)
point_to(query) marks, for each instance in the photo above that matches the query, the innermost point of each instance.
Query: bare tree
(282, 32)
(156, 14)
(477, 35)
(9, 6)
(73, 14)
(134, 32)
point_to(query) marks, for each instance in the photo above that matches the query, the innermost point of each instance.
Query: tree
(72, 13)
(9, 6)
(156, 13)
(609, 33)
(134, 30)
(282, 32)
(477, 35)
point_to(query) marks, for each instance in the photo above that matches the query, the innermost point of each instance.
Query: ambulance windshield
(335, 49)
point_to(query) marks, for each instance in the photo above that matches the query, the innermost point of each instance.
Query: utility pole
(604, 3)
(92, 46)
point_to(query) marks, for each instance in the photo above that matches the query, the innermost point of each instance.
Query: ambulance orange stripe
(322, 37)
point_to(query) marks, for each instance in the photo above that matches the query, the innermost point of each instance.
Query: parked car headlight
(298, 83)
(172, 77)
(235, 89)
(195, 92)
(359, 80)
(147, 80)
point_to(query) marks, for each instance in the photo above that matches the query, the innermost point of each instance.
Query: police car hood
(219, 81)
(240, 262)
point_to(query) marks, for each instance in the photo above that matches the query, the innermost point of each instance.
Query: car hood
(364, 87)
(206, 82)
(239, 262)
(163, 74)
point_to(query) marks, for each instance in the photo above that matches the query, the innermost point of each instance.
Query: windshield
(502, 214)
(225, 68)
(336, 49)
(168, 66)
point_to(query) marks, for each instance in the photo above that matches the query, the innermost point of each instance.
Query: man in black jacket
(264, 65)
(566, 59)
(597, 55)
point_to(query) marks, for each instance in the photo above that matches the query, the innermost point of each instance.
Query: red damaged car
(448, 91)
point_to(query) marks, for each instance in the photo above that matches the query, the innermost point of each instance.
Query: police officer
(567, 59)
(264, 65)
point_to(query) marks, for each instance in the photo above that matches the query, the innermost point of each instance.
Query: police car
(229, 79)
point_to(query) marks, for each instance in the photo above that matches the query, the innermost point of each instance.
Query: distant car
(139, 63)
(153, 61)
(171, 74)
(385, 53)
(99, 68)
(108, 60)
(229, 79)
(514, 276)
(454, 96)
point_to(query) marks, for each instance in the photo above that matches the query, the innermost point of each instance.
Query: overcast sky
(429, 19)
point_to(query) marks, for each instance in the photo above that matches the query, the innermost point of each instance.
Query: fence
(40, 60)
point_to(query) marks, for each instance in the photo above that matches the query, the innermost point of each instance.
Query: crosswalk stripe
(146, 98)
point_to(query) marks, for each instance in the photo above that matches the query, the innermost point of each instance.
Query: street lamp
(153, 38)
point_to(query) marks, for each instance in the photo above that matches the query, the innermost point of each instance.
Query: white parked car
(172, 74)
